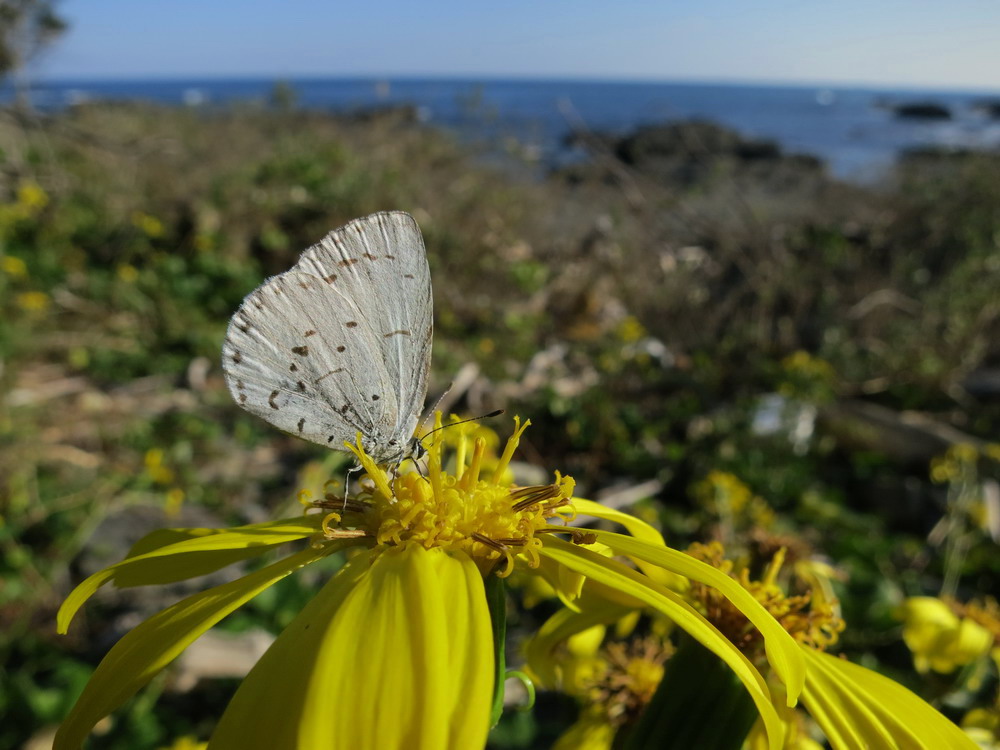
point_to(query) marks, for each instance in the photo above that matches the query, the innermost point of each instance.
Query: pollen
(473, 506)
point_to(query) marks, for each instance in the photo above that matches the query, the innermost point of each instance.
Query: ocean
(857, 132)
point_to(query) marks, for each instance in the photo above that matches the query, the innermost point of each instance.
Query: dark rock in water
(921, 111)
(989, 107)
(688, 153)
(691, 138)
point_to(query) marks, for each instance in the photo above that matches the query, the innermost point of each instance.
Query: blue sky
(896, 42)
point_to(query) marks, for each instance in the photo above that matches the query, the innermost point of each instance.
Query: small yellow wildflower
(14, 267)
(614, 684)
(147, 224)
(31, 198)
(33, 302)
(631, 330)
(127, 273)
(810, 622)
(940, 639)
(155, 468)
(173, 501)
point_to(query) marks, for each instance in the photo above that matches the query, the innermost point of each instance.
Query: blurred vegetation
(782, 355)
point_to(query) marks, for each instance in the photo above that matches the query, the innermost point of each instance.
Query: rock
(921, 111)
(687, 153)
(988, 107)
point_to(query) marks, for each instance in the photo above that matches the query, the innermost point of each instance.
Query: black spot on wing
(270, 400)
(302, 423)
(351, 324)
(302, 351)
(310, 332)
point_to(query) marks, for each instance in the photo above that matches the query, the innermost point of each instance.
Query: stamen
(533, 495)
(500, 547)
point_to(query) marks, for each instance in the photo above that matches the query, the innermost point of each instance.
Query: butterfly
(340, 343)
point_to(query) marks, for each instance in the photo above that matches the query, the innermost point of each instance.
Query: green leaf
(699, 703)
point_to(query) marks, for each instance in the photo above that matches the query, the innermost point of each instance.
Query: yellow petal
(148, 648)
(640, 530)
(175, 554)
(393, 657)
(539, 651)
(783, 653)
(638, 586)
(857, 707)
(590, 732)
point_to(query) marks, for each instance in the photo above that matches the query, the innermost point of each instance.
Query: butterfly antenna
(496, 413)
(437, 403)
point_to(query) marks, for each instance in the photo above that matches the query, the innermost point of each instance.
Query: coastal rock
(688, 153)
(921, 111)
(988, 107)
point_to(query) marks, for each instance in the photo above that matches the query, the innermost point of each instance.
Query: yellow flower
(148, 225)
(155, 468)
(173, 501)
(127, 273)
(939, 639)
(411, 603)
(186, 743)
(983, 726)
(31, 198)
(854, 707)
(14, 267)
(33, 301)
(631, 330)
(614, 683)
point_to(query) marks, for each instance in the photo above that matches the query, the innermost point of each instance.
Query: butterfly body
(340, 344)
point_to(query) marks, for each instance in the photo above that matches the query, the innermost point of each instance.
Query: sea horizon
(875, 87)
(857, 132)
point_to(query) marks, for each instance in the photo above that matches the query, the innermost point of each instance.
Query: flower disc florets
(474, 509)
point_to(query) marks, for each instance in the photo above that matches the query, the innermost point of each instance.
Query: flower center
(474, 509)
(812, 622)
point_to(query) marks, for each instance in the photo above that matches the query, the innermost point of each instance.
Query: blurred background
(738, 265)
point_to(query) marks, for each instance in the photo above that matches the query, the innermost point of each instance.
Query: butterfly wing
(341, 342)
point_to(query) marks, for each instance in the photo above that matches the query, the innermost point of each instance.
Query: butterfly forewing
(340, 343)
